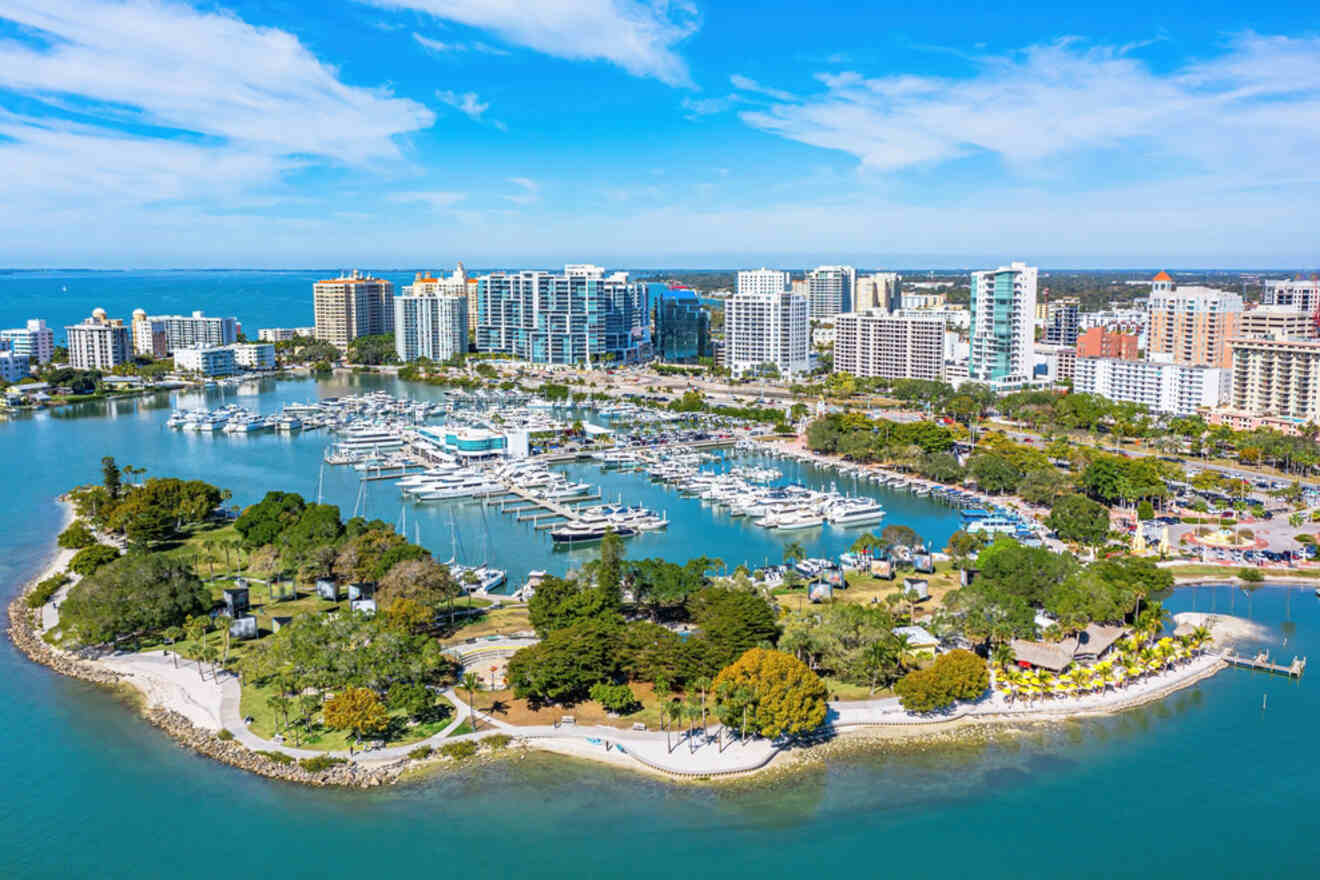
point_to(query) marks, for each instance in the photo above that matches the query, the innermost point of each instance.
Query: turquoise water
(1203, 784)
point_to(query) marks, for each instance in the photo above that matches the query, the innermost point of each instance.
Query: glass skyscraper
(682, 326)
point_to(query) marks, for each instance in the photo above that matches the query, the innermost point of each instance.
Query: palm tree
(880, 655)
(692, 712)
(674, 710)
(280, 703)
(702, 684)
(173, 634)
(470, 684)
(222, 623)
(794, 553)
(196, 628)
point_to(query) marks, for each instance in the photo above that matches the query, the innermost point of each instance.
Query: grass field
(266, 722)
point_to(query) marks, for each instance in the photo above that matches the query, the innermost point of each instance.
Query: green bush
(89, 559)
(459, 750)
(1251, 575)
(76, 536)
(224, 735)
(277, 757)
(1145, 511)
(44, 590)
(320, 763)
(497, 742)
(617, 698)
(421, 753)
(957, 675)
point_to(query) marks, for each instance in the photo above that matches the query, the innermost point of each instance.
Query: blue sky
(154, 133)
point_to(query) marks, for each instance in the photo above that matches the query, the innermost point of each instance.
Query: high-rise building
(430, 320)
(682, 325)
(830, 290)
(579, 317)
(762, 281)
(1301, 294)
(1192, 325)
(98, 343)
(1099, 342)
(352, 306)
(13, 366)
(876, 343)
(35, 340)
(1279, 377)
(159, 335)
(769, 327)
(284, 334)
(1061, 321)
(1178, 389)
(1277, 322)
(1003, 309)
(880, 290)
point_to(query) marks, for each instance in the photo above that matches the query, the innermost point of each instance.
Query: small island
(287, 641)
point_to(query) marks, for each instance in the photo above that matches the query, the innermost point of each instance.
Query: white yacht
(854, 511)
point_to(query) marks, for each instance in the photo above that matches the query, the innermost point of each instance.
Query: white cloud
(747, 84)
(531, 191)
(698, 107)
(443, 47)
(434, 198)
(467, 103)
(639, 36)
(166, 64)
(1248, 117)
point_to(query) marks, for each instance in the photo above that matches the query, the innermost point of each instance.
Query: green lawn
(1225, 571)
(266, 723)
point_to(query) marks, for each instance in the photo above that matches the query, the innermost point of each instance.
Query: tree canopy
(781, 695)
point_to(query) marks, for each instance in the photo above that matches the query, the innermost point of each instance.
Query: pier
(1262, 662)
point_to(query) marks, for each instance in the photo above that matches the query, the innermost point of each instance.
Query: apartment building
(352, 306)
(1061, 321)
(99, 343)
(1102, 343)
(211, 361)
(284, 334)
(1003, 310)
(767, 328)
(1300, 294)
(875, 343)
(879, 290)
(580, 317)
(1178, 389)
(1277, 377)
(1192, 325)
(34, 340)
(1277, 322)
(156, 336)
(431, 320)
(764, 281)
(830, 291)
(254, 355)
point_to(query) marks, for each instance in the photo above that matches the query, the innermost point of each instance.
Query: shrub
(1251, 575)
(224, 735)
(44, 590)
(421, 753)
(957, 675)
(459, 750)
(497, 742)
(320, 763)
(277, 757)
(617, 698)
(1145, 511)
(76, 536)
(89, 559)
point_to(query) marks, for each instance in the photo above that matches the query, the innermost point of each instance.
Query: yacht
(802, 519)
(581, 532)
(856, 511)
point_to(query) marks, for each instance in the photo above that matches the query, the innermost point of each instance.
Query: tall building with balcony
(830, 291)
(1177, 389)
(682, 324)
(352, 306)
(1061, 321)
(34, 341)
(1003, 311)
(579, 317)
(762, 281)
(879, 290)
(875, 343)
(98, 343)
(431, 320)
(1192, 325)
(767, 328)
(1277, 322)
(1276, 377)
(159, 335)
(1300, 294)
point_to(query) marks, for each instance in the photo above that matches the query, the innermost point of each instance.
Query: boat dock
(1262, 662)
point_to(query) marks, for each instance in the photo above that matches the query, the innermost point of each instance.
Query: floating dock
(1262, 662)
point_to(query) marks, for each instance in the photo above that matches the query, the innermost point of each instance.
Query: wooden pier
(1262, 662)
